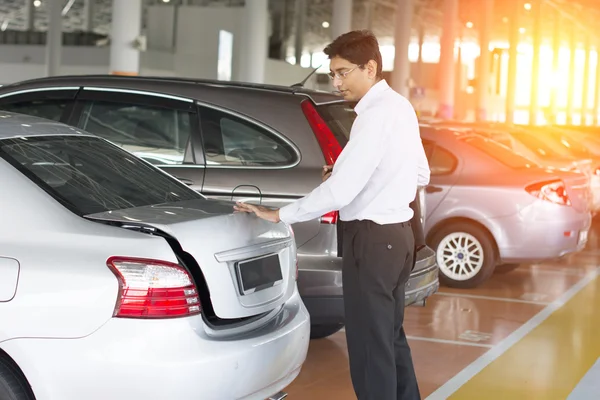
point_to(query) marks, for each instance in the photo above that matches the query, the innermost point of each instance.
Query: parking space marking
(534, 297)
(454, 384)
(482, 297)
(445, 341)
(475, 336)
(589, 386)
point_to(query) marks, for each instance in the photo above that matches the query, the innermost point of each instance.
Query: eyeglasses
(341, 75)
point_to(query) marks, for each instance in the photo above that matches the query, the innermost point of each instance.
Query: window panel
(159, 135)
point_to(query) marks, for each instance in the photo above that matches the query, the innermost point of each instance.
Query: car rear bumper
(544, 234)
(167, 359)
(423, 281)
(320, 283)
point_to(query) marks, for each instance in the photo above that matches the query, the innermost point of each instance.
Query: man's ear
(372, 69)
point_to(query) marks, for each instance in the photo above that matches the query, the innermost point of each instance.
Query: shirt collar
(371, 95)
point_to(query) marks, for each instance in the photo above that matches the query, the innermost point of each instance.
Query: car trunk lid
(249, 264)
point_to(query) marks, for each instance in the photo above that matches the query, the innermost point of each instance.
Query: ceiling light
(527, 6)
(522, 30)
(37, 3)
(469, 24)
(166, 1)
(325, 24)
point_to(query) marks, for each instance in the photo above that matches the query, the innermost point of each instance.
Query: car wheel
(322, 331)
(13, 385)
(465, 255)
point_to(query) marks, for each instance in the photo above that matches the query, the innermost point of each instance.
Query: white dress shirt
(377, 173)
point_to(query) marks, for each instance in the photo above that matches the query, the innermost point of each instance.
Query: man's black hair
(359, 47)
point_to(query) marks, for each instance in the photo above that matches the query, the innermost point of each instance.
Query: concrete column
(368, 20)
(512, 63)
(555, 67)
(597, 88)
(88, 15)
(255, 41)
(126, 26)
(447, 66)
(458, 85)
(485, 59)
(341, 21)
(300, 25)
(29, 12)
(419, 70)
(54, 38)
(401, 74)
(586, 82)
(572, 73)
(535, 67)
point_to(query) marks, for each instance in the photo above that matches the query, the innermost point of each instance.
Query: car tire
(464, 236)
(322, 331)
(13, 386)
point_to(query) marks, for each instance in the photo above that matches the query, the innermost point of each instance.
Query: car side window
(158, 135)
(233, 141)
(51, 109)
(441, 161)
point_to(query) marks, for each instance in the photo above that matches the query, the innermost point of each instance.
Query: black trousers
(377, 261)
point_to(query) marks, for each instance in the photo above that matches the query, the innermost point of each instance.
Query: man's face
(350, 79)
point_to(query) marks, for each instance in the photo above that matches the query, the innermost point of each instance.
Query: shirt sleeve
(423, 172)
(351, 172)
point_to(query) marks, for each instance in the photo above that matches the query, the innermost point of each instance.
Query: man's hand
(327, 170)
(260, 211)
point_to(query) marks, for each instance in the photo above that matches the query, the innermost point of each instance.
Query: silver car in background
(488, 206)
(545, 146)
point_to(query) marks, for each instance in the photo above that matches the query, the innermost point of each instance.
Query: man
(372, 184)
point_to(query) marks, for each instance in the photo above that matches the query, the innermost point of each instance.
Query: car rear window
(339, 117)
(500, 137)
(540, 146)
(499, 152)
(90, 175)
(572, 146)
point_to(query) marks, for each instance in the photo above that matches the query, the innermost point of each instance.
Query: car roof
(171, 83)
(20, 125)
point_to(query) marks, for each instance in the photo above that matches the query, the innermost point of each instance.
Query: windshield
(90, 175)
(500, 152)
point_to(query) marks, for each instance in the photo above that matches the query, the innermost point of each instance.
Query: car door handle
(433, 189)
(188, 182)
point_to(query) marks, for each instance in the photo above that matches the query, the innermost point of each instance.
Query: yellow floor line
(544, 360)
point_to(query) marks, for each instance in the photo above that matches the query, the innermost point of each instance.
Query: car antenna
(301, 84)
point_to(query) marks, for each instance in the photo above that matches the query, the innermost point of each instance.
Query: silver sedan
(488, 206)
(152, 290)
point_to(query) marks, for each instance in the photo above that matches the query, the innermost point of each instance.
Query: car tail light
(153, 289)
(552, 191)
(329, 145)
(330, 218)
